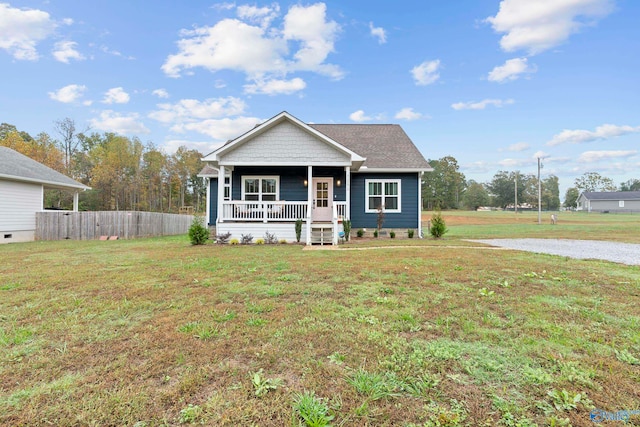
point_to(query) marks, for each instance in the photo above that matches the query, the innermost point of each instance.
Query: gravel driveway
(623, 253)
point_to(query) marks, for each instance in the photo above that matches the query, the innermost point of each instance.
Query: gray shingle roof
(208, 170)
(384, 146)
(612, 195)
(18, 167)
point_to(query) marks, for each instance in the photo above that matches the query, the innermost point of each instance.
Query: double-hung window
(260, 188)
(383, 193)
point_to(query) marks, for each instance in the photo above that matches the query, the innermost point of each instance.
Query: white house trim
(219, 154)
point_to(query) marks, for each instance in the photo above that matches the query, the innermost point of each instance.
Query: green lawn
(155, 332)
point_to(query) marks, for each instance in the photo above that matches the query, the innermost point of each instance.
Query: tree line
(447, 188)
(126, 174)
(123, 172)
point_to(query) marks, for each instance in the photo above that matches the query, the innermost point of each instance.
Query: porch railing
(340, 211)
(279, 210)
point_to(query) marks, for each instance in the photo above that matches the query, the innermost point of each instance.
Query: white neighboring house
(22, 184)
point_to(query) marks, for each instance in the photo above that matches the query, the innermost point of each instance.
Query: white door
(322, 199)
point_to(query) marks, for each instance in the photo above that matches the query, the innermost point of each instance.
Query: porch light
(305, 182)
(339, 183)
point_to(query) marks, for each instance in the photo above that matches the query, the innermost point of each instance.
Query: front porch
(279, 217)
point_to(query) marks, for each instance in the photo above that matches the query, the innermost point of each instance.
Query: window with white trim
(621, 203)
(227, 188)
(261, 188)
(382, 192)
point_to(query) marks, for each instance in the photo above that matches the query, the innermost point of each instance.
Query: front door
(322, 199)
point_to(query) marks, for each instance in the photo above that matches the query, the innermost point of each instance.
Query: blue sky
(494, 84)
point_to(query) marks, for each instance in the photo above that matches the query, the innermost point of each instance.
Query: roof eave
(48, 184)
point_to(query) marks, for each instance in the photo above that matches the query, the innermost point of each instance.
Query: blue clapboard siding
(291, 180)
(408, 218)
(213, 200)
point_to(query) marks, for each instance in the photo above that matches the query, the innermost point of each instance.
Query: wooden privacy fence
(124, 224)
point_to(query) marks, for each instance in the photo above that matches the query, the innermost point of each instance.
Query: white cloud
(408, 114)
(259, 15)
(161, 93)
(68, 94)
(359, 116)
(116, 95)
(541, 154)
(126, 124)
(212, 117)
(536, 26)
(511, 163)
(426, 73)
(220, 129)
(66, 50)
(379, 33)
(172, 145)
(22, 29)
(578, 136)
(518, 146)
(482, 104)
(276, 86)
(480, 166)
(262, 52)
(511, 70)
(596, 156)
(192, 110)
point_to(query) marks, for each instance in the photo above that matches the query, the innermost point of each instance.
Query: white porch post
(347, 178)
(221, 174)
(207, 203)
(75, 201)
(309, 202)
(420, 204)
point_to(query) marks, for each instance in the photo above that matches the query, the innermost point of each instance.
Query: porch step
(321, 235)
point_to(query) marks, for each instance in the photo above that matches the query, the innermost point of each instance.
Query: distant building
(609, 201)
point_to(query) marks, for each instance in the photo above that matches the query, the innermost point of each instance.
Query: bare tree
(66, 128)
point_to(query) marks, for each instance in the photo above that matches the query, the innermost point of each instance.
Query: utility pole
(515, 206)
(539, 194)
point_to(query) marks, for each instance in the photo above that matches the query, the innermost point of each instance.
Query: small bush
(375, 233)
(283, 241)
(392, 234)
(298, 229)
(259, 241)
(270, 238)
(234, 242)
(246, 239)
(223, 239)
(360, 232)
(346, 227)
(410, 233)
(438, 227)
(198, 233)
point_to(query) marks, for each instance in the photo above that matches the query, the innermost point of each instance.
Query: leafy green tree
(476, 195)
(550, 193)
(444, 186)
(630, 185)
(571, 197)
(503, 188)
(593, 181)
